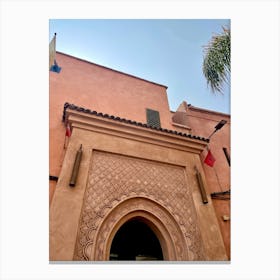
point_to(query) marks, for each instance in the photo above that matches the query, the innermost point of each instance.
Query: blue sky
(168, 52)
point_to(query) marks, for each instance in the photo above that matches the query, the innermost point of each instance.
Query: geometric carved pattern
(147, 210)
(113, 179)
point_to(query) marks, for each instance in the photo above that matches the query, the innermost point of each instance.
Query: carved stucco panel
(145, 208)
(115, 178)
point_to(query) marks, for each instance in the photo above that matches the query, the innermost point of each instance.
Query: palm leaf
(216, 62)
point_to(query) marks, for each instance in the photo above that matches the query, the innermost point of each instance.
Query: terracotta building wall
(202, 122)
(218, 176)
(99, 88)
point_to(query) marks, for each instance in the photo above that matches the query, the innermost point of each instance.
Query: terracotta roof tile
(88, 111)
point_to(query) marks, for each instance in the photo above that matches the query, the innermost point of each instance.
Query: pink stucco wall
(218, 176)
(202, 122)
(98, 88)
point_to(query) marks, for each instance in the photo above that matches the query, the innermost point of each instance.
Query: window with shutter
(153, 118)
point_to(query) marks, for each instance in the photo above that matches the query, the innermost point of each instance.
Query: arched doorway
(135, 240)
(156, 218)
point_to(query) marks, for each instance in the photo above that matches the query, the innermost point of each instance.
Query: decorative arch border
(167, 230)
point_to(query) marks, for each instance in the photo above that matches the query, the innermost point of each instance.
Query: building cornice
(79, 117)
(122, 120)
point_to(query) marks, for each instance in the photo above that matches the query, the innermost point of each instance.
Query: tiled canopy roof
(88, 111)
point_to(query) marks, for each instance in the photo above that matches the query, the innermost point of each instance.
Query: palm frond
(216, 62)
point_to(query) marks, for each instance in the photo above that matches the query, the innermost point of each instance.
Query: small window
(153, 118)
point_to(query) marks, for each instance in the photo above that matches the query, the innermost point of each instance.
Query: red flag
(209, 160)
(68, 130)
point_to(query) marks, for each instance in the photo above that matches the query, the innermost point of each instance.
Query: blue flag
(53, 66)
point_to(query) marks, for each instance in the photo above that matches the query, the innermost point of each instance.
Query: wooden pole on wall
(201, 186)
(76, 166)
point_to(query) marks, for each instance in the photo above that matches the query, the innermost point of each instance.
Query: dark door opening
(135, 241)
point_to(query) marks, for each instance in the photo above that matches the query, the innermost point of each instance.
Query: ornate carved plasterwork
(166, 228)
(114, 179)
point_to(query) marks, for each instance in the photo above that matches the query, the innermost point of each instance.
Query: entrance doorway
(136, 241)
